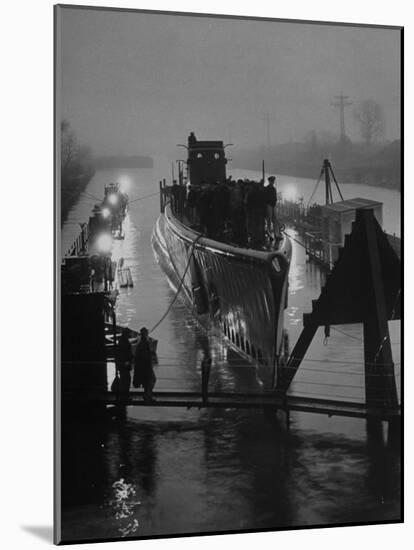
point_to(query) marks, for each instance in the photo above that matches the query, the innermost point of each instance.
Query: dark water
(166, 471)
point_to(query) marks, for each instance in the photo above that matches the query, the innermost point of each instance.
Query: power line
(87, 193)
(142, 198)
(266, 119)
(341, 103)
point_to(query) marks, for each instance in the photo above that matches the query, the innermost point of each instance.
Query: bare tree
(69, 146)
(370, 118)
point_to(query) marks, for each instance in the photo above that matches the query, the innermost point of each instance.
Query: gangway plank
(237, 401)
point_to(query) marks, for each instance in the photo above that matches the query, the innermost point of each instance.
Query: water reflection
(124, 504)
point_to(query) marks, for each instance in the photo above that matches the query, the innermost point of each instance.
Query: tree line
(76, 167)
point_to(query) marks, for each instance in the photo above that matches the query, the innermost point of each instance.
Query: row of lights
(104, 242)
(112, 199)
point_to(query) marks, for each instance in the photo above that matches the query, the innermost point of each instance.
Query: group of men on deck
(242, 211)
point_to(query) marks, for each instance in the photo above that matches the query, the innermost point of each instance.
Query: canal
(172, 471)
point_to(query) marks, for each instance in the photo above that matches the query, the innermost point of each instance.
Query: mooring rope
(144, 197)
(179, 286)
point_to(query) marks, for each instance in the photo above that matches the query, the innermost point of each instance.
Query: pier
(321, 229)
(235, 400)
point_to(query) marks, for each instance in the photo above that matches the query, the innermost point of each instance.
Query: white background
(26, 451)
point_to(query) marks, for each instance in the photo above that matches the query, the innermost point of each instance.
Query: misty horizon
(138, 83)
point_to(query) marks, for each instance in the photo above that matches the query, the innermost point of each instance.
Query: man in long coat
(143, 371)
(271, 199)
(123, 362)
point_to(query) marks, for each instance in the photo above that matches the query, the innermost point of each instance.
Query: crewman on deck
(192, 139)
(236, 211)
(261, 213)
(271, 199)
(220, 201)
(255, 214)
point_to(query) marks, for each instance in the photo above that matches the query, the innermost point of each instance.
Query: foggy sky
(137, 83)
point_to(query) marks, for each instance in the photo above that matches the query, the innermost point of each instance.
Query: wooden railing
(80, 244)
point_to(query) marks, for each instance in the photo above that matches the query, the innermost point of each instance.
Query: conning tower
(206, 161)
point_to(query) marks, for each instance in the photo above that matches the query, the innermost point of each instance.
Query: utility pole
(341, 102)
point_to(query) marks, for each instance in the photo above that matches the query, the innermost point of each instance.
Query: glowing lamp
(104, 242)
(289, 193)
(124, 184)
(113, 199)
(105, 212)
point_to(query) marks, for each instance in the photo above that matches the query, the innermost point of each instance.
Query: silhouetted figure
(262, 212)
(192, 139)
(236, 212)
(143, 372)
(271, 199)
(123, 362)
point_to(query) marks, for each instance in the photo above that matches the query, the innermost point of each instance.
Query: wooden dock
(320, 227)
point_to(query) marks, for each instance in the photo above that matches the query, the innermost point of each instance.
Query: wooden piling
(363, 287)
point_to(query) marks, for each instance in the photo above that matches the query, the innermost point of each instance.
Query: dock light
(113, 199)
(289, 192)
(104, 242)
(124, 184)
(105, 212)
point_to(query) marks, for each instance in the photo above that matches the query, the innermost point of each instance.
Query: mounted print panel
(229, 284)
